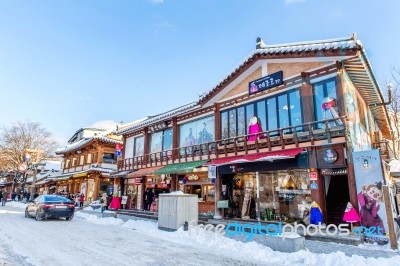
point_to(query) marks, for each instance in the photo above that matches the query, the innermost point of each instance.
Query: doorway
(337, 196)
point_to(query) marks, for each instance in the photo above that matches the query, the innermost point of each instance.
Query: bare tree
(20, 136)
(394, 111)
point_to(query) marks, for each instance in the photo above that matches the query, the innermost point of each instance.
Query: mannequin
(254, 127)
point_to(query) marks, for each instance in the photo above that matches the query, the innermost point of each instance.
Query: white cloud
(105, 124)
(157, 1)
(288, 2)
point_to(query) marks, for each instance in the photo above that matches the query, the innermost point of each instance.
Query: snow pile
(96, 220)
(241, 250)
(177, 193)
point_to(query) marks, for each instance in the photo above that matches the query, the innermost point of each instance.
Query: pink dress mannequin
(254, 127)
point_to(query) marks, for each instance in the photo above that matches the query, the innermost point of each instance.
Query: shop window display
(284, 195)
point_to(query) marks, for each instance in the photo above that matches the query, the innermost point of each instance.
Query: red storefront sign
(313, 176)
(138, 180)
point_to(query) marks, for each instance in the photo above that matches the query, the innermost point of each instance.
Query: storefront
(189, 177)
(277, 189)
(199, 183)
(136, 183)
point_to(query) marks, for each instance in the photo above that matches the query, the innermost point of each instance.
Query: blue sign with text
(266, 82)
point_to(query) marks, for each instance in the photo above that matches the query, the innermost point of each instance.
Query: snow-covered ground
(90, 240)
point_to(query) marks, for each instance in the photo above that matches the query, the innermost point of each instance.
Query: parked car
(46, 206)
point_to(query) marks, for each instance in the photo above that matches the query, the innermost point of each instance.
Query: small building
(88, 160)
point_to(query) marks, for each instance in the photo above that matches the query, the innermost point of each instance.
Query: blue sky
(71, 63)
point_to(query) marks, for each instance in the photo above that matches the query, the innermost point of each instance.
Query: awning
(119, 174)
(266, 156)
(62, 177)
(144, 172)
(180, 168)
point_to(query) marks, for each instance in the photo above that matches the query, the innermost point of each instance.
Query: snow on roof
(81, 143)
(157, 118)
(262, 49)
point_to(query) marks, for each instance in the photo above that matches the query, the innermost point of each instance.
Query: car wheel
(69, 218)
(38, 217)
(26, 213)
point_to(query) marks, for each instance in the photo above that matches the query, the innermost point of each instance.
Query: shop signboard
(138, 180)
(314, 185)
(266, 82)
(369, 181)
(212, 171)
(124, 200)
(313, 176)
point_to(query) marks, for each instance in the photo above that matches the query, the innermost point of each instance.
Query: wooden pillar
(352, 181)
(317, 195)
(218, 186)
(96, 187)
(146, 144)
(175, 138)
(307, 98)
(217, 121)
(340, 89)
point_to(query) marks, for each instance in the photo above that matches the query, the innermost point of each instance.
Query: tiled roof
(157, 118)
(83, 142)
(262, 49)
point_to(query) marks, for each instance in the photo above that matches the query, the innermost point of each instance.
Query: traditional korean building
(280, 130)
(88, 160)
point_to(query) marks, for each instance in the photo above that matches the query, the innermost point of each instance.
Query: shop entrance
(337, 196)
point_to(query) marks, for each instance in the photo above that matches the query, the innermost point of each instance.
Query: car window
(38, 199)
(56, 199)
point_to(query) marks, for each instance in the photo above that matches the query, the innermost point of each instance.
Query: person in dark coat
(4, 198)
(148, 200)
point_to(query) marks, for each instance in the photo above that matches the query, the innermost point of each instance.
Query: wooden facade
(304, 70)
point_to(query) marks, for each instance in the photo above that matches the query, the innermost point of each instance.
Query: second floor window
(275, 112)
(325, 92)
(109, 158)
(161, 141)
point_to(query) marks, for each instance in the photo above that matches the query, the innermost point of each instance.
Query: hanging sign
(266, 82)
(138, 181)
(314, 185)
(313, 176)
(212, 171)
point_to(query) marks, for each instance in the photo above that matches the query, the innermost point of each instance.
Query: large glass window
(241, 118)
(324, 92)
(167, 139)
(261, 114)
(295, 108)
(283, 110)
(139, 146)
(224, 125)
(275, 112)
(232, 123)
(197, 132)
(156, 142)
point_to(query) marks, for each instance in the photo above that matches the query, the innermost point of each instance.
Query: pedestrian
(81, 200)
(13, 195)
(149, 197)
(1, 195)
(103, 201)
(28, 196)
(4, 198)
(35, 195)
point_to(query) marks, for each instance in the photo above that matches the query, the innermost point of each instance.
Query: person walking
(1, 196)
(81, 200)
(103, 201)
(4, 198)
(149, 199)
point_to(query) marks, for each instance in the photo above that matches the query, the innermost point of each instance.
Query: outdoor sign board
(266, 82)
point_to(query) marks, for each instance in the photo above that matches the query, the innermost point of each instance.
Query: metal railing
(294, 135)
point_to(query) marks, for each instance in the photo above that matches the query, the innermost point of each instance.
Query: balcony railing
(283, 137)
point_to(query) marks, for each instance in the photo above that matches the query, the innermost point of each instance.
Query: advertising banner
(369, 180)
